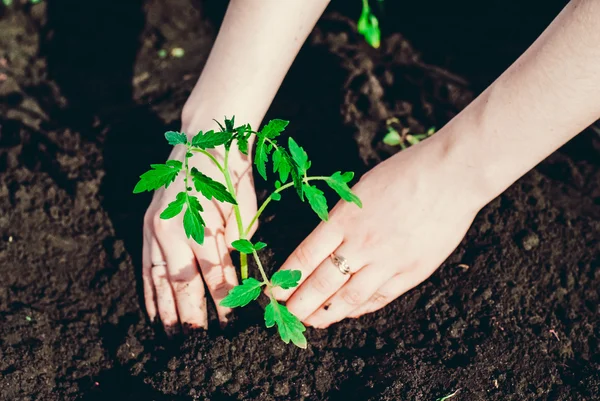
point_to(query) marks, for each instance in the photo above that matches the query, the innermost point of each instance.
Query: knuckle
(303, 255)
(322, 284)
(180, 286)
(379, 298)
(153, 221)
(353, 297)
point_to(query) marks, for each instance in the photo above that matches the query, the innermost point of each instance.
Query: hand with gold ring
(414, 215)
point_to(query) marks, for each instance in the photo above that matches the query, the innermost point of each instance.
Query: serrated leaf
(243, 294)
(175, 138)
(229, 123)
(211, 188)
(259, 245)
(286, 279)
(338, 182)
(317, 201)
(299, 156)
(289, 326)
(243, 245)
(242, 135)
(273, 129)
(193, 224)
(160, 175)
(175, 207)
(261, 156)
(281, 163)
(211, 139)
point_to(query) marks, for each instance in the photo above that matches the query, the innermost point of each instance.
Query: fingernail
(226, 321)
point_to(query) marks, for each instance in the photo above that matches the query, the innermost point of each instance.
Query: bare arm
(256, 46)
(549, 95)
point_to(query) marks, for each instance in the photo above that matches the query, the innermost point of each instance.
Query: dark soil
(83, 105)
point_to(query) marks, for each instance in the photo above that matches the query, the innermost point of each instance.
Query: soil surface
(513, 314)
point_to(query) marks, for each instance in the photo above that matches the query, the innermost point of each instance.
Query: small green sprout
(447, 397)
(403, 138)
(162, 53)
(35, 1)
(28, 318)
(7, 3)
(177, 52)
(291, 166)
(368, 25)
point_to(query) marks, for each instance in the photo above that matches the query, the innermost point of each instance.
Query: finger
(186, 283)
(321, 284)
(317, 247)
(218, 271)
(352, 295)
(165, 301)
(149, 292)
(392, 289)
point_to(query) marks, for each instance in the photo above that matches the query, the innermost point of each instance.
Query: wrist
(462, 164)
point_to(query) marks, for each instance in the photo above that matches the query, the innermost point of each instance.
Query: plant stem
(238, 215)
(261, 268)
(269, 199)
(211, 157)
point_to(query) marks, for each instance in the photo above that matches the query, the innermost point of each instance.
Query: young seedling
(368, 25)
(403, 138)
(291, 166)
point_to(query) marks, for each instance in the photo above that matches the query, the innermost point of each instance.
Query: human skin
(549, 95)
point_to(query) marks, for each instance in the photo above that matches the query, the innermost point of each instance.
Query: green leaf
(243, 133)
(193, 224)
(368, 26)
(273, 129)
(229, 123)
(259, 245)
(211, 188)
(286, 279)
(288, 325)
(392, 138)
(174, 207)
(211, 139)
(317, 201)
(243, 294)
(276, 196)
(243, 245)
(261, 156)
(160, 175)
(175, 138)
(299, 156)
(282, 163)
(338, 182)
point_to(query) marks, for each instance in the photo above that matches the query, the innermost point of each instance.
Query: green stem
(238, 214)
(261, 268)
(269, 199)
(210, 156)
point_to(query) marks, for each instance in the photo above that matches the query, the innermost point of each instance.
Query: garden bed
(84, 100)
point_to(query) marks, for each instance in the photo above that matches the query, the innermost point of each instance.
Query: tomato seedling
(368, 25)
(291, 166)
(403, 138)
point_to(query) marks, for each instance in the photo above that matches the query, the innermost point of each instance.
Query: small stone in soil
(281, 389)
(530, 240)
(220, 377)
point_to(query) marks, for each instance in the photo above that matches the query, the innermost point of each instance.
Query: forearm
(254, 49)
(549, 95)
